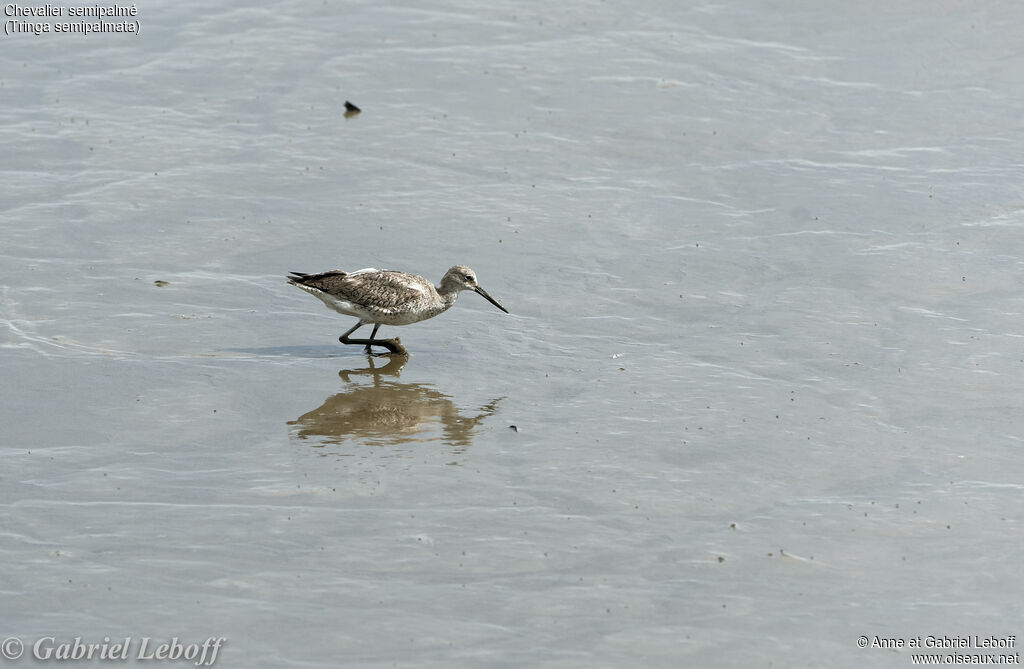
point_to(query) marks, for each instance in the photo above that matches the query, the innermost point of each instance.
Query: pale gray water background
(765, 355)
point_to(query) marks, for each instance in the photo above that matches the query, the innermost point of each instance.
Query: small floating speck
(160, 283)
(351, 110)
(513, 428)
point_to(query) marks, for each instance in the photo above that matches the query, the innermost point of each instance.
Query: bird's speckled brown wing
(330, 282)
(380, 289)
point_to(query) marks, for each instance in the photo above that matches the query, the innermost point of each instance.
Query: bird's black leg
(344, 338)
(373, 335)
(393, 345)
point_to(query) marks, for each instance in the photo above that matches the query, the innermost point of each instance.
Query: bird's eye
(469, 277)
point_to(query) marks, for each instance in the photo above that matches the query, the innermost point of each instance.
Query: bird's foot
(394, 346)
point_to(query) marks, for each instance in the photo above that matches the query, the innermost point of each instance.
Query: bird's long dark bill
(490, 299)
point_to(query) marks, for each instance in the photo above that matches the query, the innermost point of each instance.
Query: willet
(387, 297)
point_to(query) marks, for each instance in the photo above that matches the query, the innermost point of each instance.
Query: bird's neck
(449, 295)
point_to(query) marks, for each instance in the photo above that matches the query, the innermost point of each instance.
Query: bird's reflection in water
(384, 412)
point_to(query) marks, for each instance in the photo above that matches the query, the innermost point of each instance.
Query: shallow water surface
(759, 392)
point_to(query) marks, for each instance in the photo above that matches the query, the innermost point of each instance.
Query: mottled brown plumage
(387, 297)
